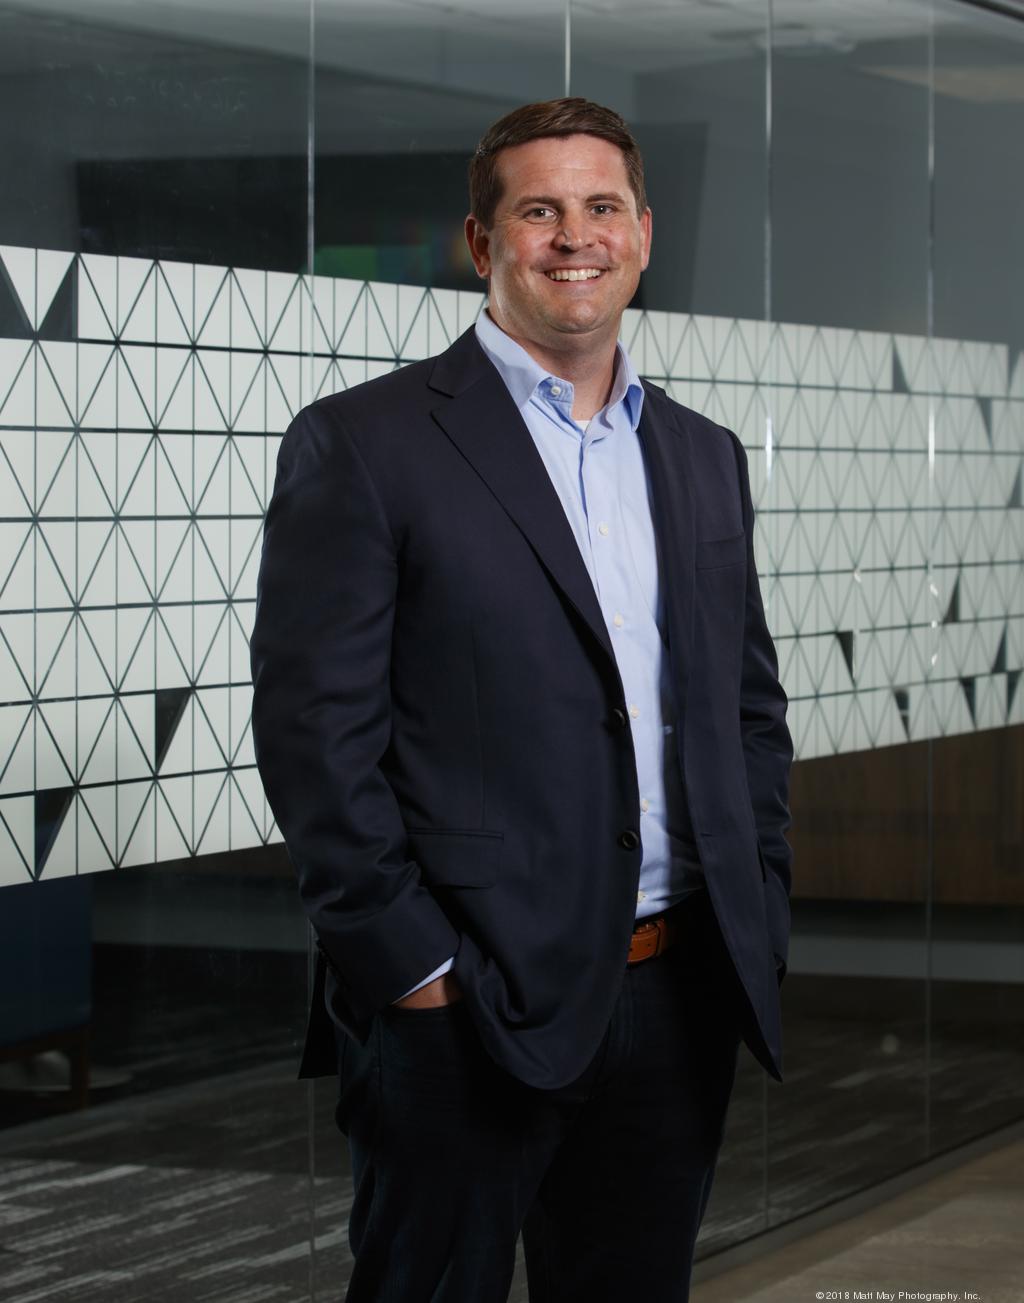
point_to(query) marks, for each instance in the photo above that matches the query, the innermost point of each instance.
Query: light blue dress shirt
(599, 474)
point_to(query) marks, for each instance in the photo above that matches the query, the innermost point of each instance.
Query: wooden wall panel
(867, 826)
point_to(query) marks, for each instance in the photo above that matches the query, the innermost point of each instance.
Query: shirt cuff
(438, 972)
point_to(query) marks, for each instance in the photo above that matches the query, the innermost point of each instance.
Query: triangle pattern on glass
(15, 322)
(51, 808)
(17, 473)
(136, 823)
(94, 851)
(246, 809)
(16, 841)
(174, 806)
(212, 813)
(97, 296)
(174, 310)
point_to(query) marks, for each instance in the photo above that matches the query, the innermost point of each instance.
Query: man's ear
(479, 241)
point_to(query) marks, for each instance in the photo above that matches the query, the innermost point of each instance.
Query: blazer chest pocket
(719, 552)
(456, 857)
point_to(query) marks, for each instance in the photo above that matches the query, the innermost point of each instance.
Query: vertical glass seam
(568, 47)
(929, 570)
(768, 453)
(310, 948)
(311, 139)
(768, 92)
(769, 426)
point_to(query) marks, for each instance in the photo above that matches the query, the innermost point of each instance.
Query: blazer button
(629, 840)
(620, 717)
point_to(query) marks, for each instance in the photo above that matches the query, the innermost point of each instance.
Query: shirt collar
(522, 374)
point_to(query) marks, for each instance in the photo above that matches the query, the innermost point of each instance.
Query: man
(518, 716)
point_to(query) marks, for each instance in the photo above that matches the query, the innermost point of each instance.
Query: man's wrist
(441, 991)
(430, 977)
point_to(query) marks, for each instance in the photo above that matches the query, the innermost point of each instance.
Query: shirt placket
(626, 608)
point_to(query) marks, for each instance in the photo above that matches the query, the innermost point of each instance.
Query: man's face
(566, 249)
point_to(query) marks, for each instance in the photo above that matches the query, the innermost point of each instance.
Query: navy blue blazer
(441, 727)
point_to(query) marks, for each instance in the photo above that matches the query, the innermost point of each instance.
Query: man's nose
(572, 234)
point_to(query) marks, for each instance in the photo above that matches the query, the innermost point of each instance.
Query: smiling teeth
(577, 274)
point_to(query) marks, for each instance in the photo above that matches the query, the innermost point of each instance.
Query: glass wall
(212, 214)
(153, 223)
(976, 1015)
(853, 601)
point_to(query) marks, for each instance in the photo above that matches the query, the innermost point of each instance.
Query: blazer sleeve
(767, 745)
(321, 721)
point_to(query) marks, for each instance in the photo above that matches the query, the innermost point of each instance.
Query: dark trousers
(607, 1178)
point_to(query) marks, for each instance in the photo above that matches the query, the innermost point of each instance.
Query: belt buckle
(644, 930)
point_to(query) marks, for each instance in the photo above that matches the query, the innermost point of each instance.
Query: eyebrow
(549, 201)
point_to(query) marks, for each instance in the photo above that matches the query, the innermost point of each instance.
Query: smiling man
(562, 240)
(518, 716)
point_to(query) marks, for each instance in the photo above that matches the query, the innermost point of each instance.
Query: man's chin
(580, 320)
(565, 331)
(575, 328)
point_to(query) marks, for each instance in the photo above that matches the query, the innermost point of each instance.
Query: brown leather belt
(654, 936)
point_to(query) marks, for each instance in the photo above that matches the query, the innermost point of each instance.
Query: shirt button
(634, 712)
(556, 390)
(618, 621)
(645, 805)
(603, 529)
(629, 840)
(641, 896)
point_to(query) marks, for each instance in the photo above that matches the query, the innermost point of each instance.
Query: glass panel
(977, 1006)
(152, 957)
(852, 605)
(403, 94)
(691, 82)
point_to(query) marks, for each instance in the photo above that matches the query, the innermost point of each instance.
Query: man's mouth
(575, 273)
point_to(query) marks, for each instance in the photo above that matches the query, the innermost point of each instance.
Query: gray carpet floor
(202, 1190)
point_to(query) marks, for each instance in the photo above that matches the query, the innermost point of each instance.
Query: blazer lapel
(667, 453)
(484, 423)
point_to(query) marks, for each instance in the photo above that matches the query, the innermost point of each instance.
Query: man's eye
(602, 209)
(540, 212)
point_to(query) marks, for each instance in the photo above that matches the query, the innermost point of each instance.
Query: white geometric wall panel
(141, 407)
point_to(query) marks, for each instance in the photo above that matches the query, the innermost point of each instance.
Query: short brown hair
(565, 117)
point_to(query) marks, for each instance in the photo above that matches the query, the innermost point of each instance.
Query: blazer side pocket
(456, 857)
(719, 552)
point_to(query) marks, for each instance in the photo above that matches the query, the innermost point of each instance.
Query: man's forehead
(574, 162)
